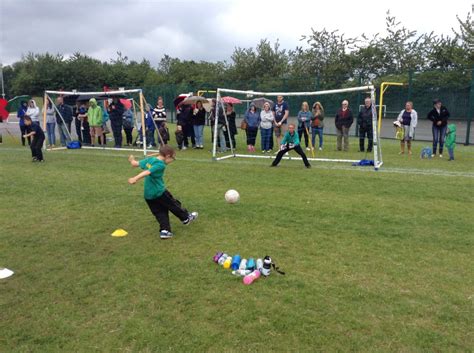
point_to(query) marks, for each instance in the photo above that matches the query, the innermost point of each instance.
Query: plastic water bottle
(217, 256)
(251, 264)
(259, 265)
(241, 273)
(235, 262)
(249, 279)
(267, 266)
(243, 264)
(227, 262)
(222, 259)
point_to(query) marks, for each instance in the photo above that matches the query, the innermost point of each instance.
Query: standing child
(160, 200)
(290, 142)
(38, 139)
(179, 134)
(451, 140)
(164, 133)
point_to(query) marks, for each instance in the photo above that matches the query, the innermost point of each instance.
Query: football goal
(230, 111)
(135, 98)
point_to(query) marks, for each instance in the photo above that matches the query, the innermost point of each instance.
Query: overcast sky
(199, 30)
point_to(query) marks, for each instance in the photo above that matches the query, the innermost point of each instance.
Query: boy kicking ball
(157, 197)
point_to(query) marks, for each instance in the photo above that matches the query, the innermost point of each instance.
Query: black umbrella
(259, 102)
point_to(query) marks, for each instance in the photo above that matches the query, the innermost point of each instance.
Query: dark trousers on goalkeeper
(288, 147)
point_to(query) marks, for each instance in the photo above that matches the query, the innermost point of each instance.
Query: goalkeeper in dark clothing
(290, 142)
(364, 120)
(115, 111)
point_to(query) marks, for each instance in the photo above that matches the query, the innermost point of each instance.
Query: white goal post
(377, 151)
(141, 99)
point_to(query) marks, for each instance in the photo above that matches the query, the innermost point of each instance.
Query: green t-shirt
(154, 184)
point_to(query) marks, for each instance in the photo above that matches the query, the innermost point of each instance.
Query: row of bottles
(249, 269)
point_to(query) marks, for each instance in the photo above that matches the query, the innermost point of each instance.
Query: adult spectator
(267, 119)
(33, 111)
(115, 110)
(252, 119)
(95, 118)
(317, 124)
(230, 113)
(281, 112)
(185, 118)
(364, 121)
(77, 120)
(199, 120)
(439, 116)
(128, 123)
(50, 123)
(409, 119)
(304, 119)
(64, 120)
(20, 114)
(343, 122)
(159, 114)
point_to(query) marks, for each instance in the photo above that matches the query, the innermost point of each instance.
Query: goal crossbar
(377, 151)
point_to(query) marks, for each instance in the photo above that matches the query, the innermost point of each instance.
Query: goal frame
(110, 94)
(377, 148)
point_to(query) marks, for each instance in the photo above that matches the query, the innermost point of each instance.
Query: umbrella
(231, 100)
(179, 99)
(126, 103)
(194, 100)
(259, 102)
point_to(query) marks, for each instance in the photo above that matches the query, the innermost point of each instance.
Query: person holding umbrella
(232, 126)
(252, 119)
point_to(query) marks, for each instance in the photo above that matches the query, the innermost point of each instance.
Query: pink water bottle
(251, 277)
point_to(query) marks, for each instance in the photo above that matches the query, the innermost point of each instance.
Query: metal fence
(454, 88)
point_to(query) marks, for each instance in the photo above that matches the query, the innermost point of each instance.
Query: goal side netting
(237, 137)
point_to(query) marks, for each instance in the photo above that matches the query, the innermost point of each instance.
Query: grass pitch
(375, 261)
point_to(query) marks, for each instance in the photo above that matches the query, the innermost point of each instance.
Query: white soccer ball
(232, 196)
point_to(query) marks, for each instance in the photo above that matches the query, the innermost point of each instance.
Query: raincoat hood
(93, 102)
(452, 128)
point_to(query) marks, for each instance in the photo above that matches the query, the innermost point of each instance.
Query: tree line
(328, 59)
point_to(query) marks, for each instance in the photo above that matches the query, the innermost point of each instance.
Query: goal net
(79, 129)
(319, 140)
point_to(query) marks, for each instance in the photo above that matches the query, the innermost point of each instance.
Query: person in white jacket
(266, 122)
(33, 111)
(408, 118)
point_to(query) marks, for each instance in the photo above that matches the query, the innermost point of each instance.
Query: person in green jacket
(451, 140)
(290, 141)
(94, 117)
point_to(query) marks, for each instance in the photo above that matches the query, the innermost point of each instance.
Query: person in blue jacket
(20, 114)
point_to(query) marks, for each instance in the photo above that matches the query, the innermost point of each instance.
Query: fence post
(410, 84)
(470, 109)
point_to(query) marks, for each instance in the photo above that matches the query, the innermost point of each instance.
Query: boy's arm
(132, 161)
(143, 174)
(30, 134)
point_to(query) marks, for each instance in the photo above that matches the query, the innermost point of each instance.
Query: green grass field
(375, 261)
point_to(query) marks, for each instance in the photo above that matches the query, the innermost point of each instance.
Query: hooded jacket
(451, 136)
(116, 110)
(442, 116)
(94, 113)
(21, 112)
(33, 112)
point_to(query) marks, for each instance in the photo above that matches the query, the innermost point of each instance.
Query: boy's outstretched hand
(132, 181)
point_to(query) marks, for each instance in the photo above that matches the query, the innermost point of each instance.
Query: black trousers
(117, 131)
(297, 149)
(251, 135)
(24, 130)
(188, 131)
(128, 135)
(35, 146)
(161, 206)
(77, 122)
(302, 131)
(363, 132)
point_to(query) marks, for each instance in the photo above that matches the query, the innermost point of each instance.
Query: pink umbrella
(126, 103)
(231, 100)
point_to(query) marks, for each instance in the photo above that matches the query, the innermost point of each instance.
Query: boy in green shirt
(291, 141)
(157, 197)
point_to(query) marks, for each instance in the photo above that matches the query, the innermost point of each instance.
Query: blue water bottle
(251, 264)
(235, 262)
